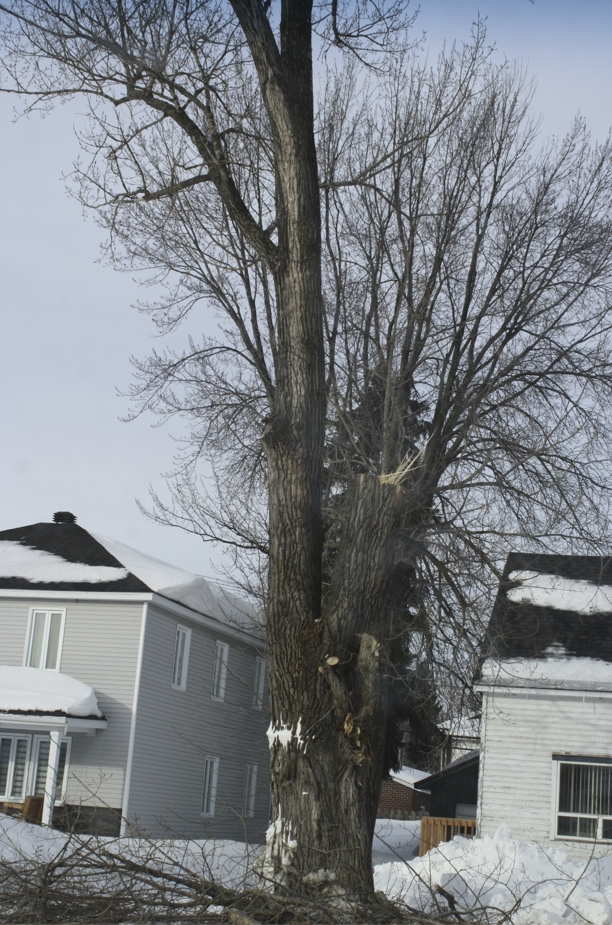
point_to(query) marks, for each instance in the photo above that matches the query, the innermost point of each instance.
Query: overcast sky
(67, 326)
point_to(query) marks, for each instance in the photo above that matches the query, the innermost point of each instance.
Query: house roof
(552, 605)
(66, 557)
(551, 625)
(459, 764)
(36, 690)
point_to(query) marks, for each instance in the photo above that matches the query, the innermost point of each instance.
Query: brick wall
(396, 798)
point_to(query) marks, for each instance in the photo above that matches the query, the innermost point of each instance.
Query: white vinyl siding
(181, 658)
(518, 777)
(209, 790)
(44, 641)
(250, 790)
(220, 670)
(259, 680)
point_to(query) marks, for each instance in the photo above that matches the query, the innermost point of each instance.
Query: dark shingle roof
(527, 630)
(74, 544)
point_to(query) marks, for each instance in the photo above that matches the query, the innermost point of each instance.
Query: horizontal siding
(520, 736)
(100, 647)
(176, 730)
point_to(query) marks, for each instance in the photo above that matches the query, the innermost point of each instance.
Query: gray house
(132, 693)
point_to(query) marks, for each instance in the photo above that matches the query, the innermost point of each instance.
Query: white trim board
(132, 739)
(46, 723)
(549, 693)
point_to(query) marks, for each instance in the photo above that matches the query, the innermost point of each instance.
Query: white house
(132, 693)
(546, 681)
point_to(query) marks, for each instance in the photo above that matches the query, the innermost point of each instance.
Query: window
(220, 671)
(13, 766)
(259, 680)
(181, 658)
(45, 639)
(41, 763)
(584, 803)
(209, 792)
(250, 786)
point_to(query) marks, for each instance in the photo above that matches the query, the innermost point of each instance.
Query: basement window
(584, 800)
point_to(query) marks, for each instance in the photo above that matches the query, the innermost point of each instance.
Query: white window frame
(30, 634)
(250, 790)
(582, 760)
(209, 786)
(180, 683)
(14, 737)
(259, 683)
(220, 671)
(62, 785)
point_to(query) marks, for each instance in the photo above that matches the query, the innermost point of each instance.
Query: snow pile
(500, 874)
(550, 672)
(36, 565)
(395, 840)
(560, 593)
(228, 862)
(185, 588)
(39, 690)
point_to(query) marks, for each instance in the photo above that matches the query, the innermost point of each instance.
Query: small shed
(454, 789)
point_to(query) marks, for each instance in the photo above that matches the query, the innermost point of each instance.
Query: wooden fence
(435, 829)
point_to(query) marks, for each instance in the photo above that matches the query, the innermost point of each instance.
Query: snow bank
(185, 588)
(551, 671)
(39, 690)
(395, 840)
(500, 873)
(496, 875)
(36, 565)
(560, 593)
(229, 862)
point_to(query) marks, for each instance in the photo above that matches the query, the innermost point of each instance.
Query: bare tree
(412, 369)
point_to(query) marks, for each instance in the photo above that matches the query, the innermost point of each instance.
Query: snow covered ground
(505, 879)
(499, 874)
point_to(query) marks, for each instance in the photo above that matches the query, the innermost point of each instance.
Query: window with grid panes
(584, 804)
(13, 766)
(45, 639)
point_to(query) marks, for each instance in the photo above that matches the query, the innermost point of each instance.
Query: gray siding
(520, 734)
(176, 730)
(100, 647)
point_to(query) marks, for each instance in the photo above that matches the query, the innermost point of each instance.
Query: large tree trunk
(328, 704)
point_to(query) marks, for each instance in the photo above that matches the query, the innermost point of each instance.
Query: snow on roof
(184, 587)
(556, 670)
(560, 593)
(409, 776)
(38, 566)
(40, 690)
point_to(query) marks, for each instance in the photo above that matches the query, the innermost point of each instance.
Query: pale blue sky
(67, 326)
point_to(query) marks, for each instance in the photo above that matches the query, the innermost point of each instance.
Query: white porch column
(51, 781)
